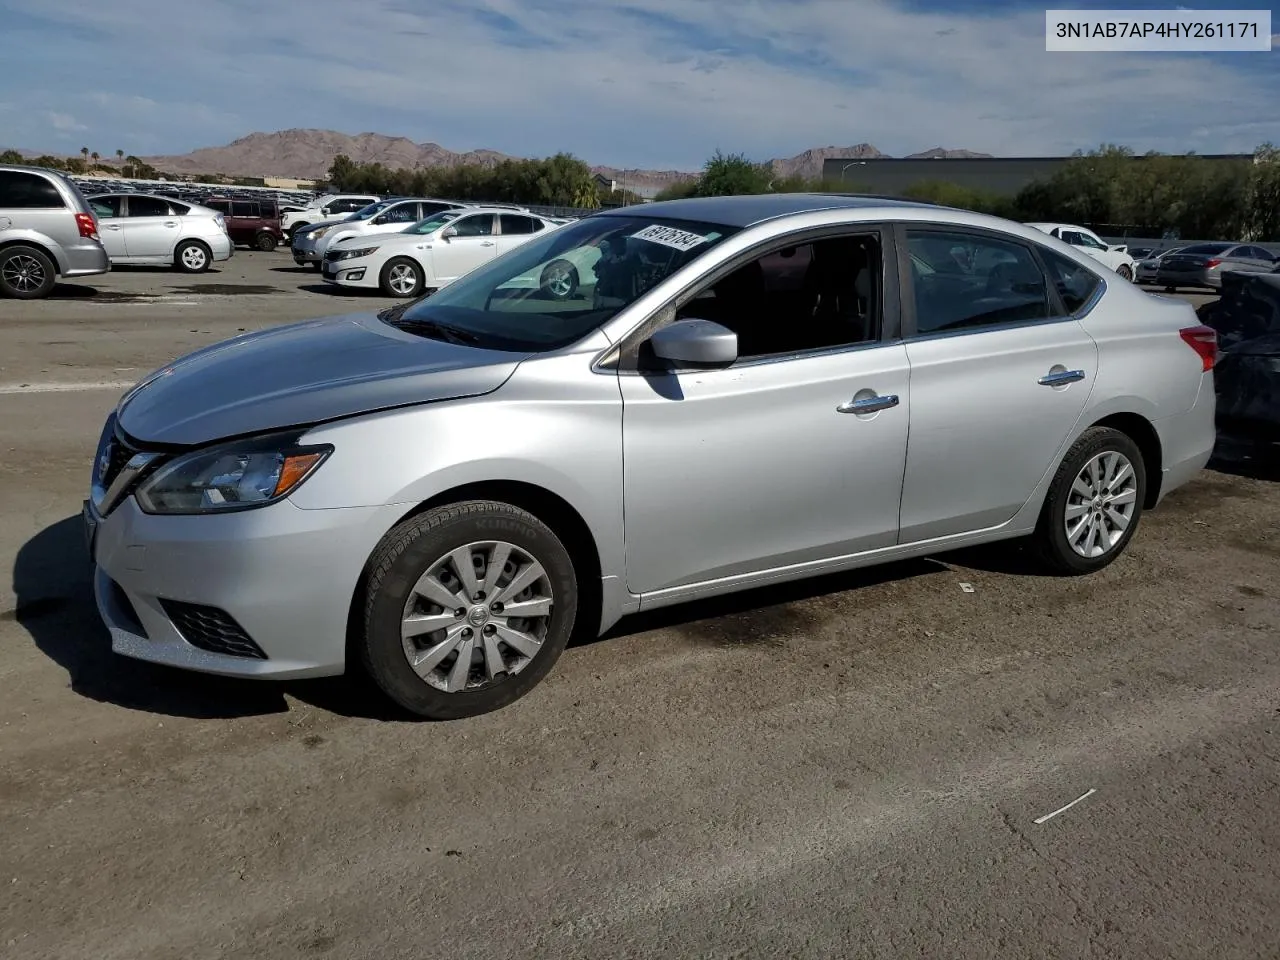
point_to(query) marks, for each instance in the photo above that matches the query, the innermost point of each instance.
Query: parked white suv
(139, 228)
(1114, 255)
(331, 206)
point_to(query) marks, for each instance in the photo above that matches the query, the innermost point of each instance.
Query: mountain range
(307, 154)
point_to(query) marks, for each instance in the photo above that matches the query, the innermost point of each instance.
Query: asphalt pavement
(851, 767)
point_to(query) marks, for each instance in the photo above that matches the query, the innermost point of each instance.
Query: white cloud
(652, 82)
(64, 122)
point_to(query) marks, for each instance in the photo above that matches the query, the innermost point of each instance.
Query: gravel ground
(849, 767)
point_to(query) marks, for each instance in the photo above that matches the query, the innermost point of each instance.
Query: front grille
(211, 629)
(118, 453)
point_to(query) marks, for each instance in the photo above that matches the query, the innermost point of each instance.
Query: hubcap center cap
(478, 615)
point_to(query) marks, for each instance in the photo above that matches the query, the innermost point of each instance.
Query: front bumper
(351, 273)
(283, 577)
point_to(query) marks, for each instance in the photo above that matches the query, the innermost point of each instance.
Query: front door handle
(171, 223)
(868, 404)
(486, 243)
(1060, 378)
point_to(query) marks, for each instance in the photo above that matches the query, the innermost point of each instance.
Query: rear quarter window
(20, 190)
(1076, 284)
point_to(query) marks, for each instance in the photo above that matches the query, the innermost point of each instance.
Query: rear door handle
(171, 223)
(1060, 378)
(113, 226)
(486, 243)
(868, 404)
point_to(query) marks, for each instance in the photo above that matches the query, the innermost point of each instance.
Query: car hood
(364, 239)
(301, 374)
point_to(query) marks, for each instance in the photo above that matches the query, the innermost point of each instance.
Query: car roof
(747, 210)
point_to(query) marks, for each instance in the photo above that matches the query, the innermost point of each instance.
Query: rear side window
(148, 207)
(1075, 283)
(20, 190)
(513, 223)
(179, 208)
(245, 208)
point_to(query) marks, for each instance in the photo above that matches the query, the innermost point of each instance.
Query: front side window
(513, 302)
(813, 296)
(973, 281)
(20, 190)
(476, 225)
(431, 224)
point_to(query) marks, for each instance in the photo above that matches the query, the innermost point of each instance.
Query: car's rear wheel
(266, 242)
(1124, 271)
(402, 277)
(468, 607)
(192, 256)
(559, 280)
(26, 273)
(1094, 503)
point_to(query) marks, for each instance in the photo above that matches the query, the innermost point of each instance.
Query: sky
(657, 84)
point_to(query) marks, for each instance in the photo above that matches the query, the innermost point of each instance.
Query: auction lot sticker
(670, 237)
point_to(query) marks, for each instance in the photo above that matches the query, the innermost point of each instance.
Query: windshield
(431, 223)
(556, 288)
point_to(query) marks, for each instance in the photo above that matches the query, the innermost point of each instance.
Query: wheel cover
(402, 278)
(1100, 504)
(23, 273)
(559, 279)
(193, 257)
(479, 614)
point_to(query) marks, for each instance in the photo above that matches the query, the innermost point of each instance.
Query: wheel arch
(1141, 431)
(549, 507)
(44, 248)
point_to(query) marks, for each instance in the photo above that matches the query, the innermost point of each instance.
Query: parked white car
(385, 217)
(331, 206)
(142, 229)
(432, 253)
(1114, 255)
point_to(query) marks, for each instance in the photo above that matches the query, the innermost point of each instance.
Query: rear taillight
(87, 225)
(1204, 341)
(1210, 264)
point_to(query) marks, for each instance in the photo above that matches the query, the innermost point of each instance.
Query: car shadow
(333, 290)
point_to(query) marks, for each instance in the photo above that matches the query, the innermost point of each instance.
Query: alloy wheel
(23, 273)
(479, 613)
(1100, 504)
(193, 257)
(402, 278)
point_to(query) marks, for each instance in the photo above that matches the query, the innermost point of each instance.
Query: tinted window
(962, 280)
(511, 223)
(1075, 283)
(476, 225)
(245, 208)
(222, 206)
(148, 207)
(813, 296)
(28, 191)
(179, 208)
(430, 207)
(105, 206)
(1257, 253)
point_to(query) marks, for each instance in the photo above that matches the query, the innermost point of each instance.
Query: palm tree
(119, 154)
(84, 152)
(95, 156)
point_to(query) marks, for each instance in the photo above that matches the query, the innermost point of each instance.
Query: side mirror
(448, 233)
(325, 211)
(696, 343)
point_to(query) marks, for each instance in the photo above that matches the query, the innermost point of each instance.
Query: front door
(771, 462)
(473, 245)
(151, 230)
(999, 377)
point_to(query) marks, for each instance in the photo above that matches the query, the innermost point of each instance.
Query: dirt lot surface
(852, 767)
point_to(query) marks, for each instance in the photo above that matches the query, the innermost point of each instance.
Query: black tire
(1050, 538)
(185, 260)
(315, 265)
(554, 269)
(1169, 288)
(419, 280)
(26, 273)
(407, 552)
(1124, 271)
(266, 242)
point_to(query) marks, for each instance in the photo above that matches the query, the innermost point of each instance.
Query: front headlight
(235, 476)
(319, 232)
(354, 254)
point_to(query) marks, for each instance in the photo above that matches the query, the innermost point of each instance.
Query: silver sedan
(743, 390)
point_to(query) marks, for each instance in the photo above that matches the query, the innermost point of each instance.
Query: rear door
(110, 214)
(151, 229)
(1000, 373)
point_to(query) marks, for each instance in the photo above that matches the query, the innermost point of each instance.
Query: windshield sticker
(670, 237)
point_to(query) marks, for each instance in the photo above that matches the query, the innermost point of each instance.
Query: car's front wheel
(1094, 503)
(402, 277)
(1124, 271)
(468, 606)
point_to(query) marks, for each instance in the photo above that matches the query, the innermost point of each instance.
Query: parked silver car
(46, 231)
(142, 228)
(747, 390)
(1202, 264)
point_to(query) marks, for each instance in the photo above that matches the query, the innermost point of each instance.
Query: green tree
(11, 156)
(1263, 217)
(731, 174)
(119, 154)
